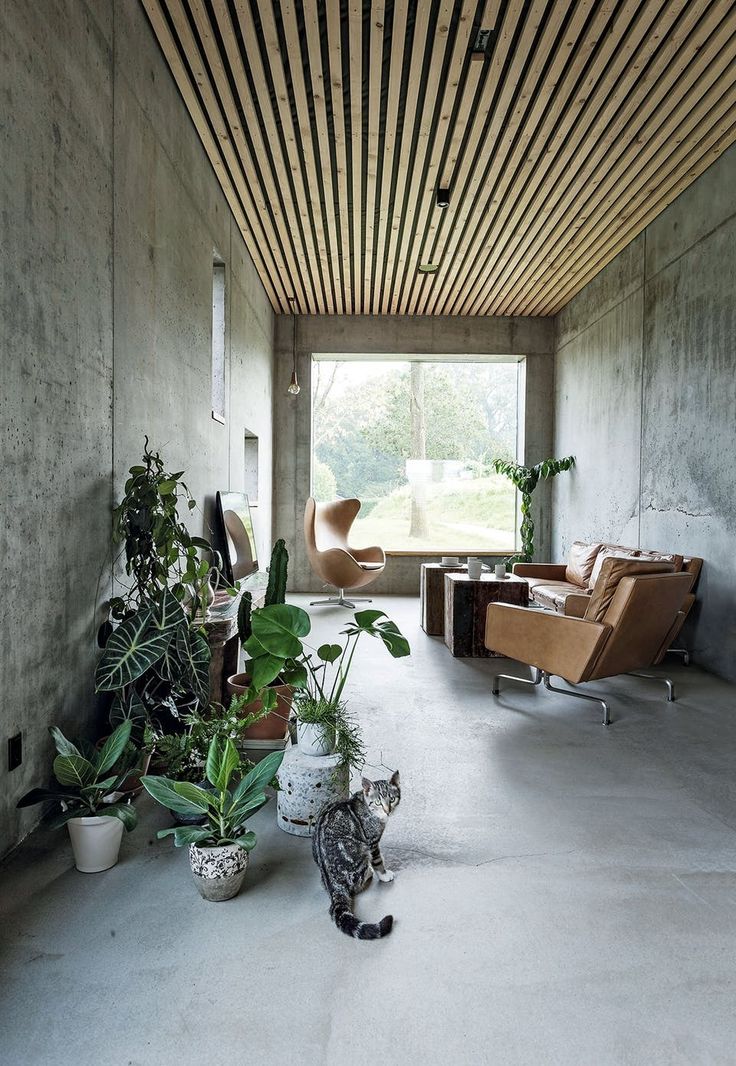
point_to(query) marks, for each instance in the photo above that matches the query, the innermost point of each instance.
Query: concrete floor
(564, 894)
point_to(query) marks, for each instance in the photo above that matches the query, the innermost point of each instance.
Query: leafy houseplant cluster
(156, 658)
(86, 784)
(276, 649)
(218, 848)
(526, 479)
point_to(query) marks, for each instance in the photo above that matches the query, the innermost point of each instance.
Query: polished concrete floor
(564, 893)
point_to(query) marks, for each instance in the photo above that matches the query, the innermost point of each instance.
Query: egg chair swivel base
(341, 600)
(326, 529)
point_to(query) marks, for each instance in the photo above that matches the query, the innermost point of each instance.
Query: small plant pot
(273, 726)
(95, 843)
(218, 872)
(314, 739)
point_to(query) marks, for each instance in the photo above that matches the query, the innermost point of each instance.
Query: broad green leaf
(222, 760)
(194, 653)
(132, 649)
(264, 670)
(279, 628)
(63, 746)
(165, 488)
(73, 770)
(113, 747)
(296, 676)
(164, 792)
(168, 613)
(248, 841)
(240, 812)
(124, 811)
(186, 834)
(255, 780)
(269, 699)
(253, 647)
(366, 619)
(198, 797)
(394, 640)
(44, 795)
(329, 653)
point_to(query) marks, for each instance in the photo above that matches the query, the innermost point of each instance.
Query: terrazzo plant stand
(306, 784)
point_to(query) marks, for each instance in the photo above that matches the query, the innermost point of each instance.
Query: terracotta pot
(273, 726)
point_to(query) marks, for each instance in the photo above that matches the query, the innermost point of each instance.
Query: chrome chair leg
(535, 679)
(579, 696)
(340, 601)
(658, 677)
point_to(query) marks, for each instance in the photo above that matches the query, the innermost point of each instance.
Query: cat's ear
(367, 785)
(395, 778)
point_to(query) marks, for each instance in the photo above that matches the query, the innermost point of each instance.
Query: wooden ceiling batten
(331, 125)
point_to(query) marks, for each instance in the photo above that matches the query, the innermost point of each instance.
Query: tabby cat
(345, 845)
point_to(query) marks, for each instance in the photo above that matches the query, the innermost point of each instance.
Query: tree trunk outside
(418, 526)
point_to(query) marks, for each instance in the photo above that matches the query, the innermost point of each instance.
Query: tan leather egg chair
(326, 531)
(633, 612)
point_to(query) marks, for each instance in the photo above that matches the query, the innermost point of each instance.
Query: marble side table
(306, 784)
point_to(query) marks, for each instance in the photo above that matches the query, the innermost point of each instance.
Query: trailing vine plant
(526, 479)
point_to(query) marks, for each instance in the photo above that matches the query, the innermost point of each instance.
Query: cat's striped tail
(343, 917)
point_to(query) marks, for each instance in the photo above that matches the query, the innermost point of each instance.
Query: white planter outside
(314, 739)
(95, 843)
(218, 872)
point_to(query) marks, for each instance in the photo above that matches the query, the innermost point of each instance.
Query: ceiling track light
(294, 387)
(480, 45)
(443, 198)
(428, 268)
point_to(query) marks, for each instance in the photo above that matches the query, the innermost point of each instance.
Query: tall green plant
(275, 591)
(526, 479)
(156, 657)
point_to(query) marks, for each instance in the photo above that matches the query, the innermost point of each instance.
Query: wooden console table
(432, 596)
(465, 609)
(222, 636)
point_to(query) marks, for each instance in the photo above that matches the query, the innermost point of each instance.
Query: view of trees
(414, 442)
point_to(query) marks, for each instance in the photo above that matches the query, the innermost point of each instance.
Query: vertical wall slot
(15, 751)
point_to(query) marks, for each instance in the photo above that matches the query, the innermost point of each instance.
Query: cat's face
(382, 797)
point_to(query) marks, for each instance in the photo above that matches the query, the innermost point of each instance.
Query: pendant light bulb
(294, 388)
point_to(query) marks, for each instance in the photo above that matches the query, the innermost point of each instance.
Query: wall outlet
(15, 751)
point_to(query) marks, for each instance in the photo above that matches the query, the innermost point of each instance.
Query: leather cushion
(676, 560)
(553, 594)
(613, 569)
(580, 562)
(609, 551)
(371, 566)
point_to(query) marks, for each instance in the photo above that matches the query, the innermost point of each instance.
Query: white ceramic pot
(95, 843)
(218, 872)
(314, 739)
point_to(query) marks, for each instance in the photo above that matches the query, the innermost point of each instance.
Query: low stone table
(306, 784)
(466, 602)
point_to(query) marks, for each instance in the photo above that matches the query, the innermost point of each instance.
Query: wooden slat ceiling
(560, 134)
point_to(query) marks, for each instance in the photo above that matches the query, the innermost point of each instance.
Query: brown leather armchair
(326, 530)
(629, 620)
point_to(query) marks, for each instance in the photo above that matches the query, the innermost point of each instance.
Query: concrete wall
(110, 214)
(645, 396)
(395, 335)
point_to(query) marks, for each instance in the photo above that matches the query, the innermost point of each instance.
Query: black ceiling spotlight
(443, 198)
(480, 44)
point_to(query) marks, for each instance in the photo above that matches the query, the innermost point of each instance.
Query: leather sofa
(566, 588)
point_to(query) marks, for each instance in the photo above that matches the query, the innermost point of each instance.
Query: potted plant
(87, 790)
(218, 848)
(156, 656)
(269, 704)
(526, 479)
(277, 649)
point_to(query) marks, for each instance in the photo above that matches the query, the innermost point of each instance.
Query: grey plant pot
(218, 872)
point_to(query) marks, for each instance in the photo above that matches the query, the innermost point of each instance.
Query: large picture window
(414, 442)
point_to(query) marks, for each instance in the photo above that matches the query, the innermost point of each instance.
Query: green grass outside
(473, 515)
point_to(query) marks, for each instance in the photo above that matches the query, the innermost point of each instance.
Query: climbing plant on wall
(526, 479)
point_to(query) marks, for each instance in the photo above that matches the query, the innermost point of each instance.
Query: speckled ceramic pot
(218, 872)
(306, 784)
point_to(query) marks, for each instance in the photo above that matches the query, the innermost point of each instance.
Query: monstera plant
(277, 648)
(156, 658)
(526, 479)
